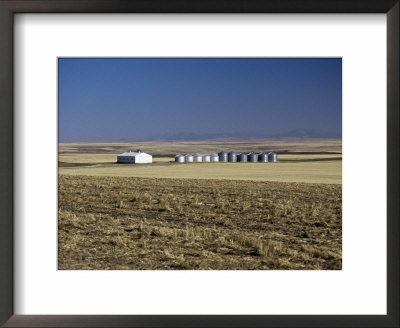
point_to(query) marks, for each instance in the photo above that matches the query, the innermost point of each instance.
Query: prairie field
(310, 161)
(318, 171)
(170, 149)
(201, 216)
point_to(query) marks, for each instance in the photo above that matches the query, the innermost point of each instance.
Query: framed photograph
(199, 164)
(219, 171)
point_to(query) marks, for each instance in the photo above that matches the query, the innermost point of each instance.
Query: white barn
(134, 158)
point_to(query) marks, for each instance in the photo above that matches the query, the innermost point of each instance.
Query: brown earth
(161, 224)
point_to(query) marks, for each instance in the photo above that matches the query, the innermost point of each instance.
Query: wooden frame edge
(393, 167)
(7, 10)
(6, 165)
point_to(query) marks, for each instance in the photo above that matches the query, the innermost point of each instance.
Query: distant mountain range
(190, 136)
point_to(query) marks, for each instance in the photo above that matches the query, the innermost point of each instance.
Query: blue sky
(138, 99)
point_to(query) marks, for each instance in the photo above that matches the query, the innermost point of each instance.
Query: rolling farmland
(220, 216)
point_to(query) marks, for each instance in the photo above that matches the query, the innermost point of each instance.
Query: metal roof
(133, 153)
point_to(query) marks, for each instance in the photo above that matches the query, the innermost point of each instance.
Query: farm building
(206, 158)
(214, 157)
(232, 156)
(242, 157)
(134, 158)
(272, 157)
(197, 157)
(227, 157)
(223, 156)
(252, 157)
(188, 158)
(180, 158)
(263, 157)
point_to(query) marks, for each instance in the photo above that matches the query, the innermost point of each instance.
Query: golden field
(308, 161)
(211, 216)
(169, 149)
(311, 172)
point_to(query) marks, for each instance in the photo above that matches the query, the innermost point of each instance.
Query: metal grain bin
(252, 157)
(206, 158)
(223, 156)
(242, 157)
(189, 158)
(232, 156)
(214, 157)
(272, 157)
(180, 158)
(263, 157)
(197, 157)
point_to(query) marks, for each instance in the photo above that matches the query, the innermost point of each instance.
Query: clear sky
(134, 99)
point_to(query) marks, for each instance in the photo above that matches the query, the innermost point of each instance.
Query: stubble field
(138, 223)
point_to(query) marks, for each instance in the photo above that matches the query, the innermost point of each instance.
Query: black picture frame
(10, 7)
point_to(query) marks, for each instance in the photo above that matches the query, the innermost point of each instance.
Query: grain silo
(180, 158)
(206, 158)
(223, 156)
(272, 157)
(263, 157)
(214, 157)
(252, 157)
(197, 157)
(189, 158)
(242, 157)
(232, 156)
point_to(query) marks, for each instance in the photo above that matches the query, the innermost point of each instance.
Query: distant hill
(192, 136)
(297, 133)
